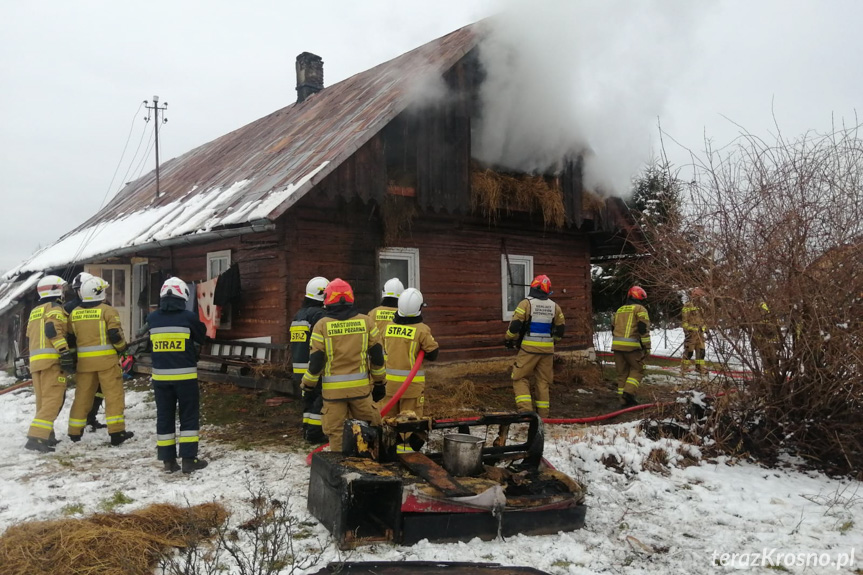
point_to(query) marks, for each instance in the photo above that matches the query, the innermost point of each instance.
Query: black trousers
(170, 395)
(313, 403)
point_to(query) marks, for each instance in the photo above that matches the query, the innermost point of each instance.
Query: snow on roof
(260, 170)
(11, 292)
(197, 214)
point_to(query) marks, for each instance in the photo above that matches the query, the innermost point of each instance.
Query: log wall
(261, 310)
(460, 268)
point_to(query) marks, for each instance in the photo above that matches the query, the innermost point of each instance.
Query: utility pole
(156, 109)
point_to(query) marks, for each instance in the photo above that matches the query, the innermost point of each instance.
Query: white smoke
(570, 76)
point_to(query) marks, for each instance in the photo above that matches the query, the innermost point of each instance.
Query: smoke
(575, 76)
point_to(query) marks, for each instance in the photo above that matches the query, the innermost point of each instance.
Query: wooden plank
(436, 475)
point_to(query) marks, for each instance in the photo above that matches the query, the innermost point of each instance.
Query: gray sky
(75, 73)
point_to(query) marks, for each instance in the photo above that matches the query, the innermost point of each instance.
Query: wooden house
(356, 181)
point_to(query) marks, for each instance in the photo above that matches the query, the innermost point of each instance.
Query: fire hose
(594, 418)
(16, 386)
(392, 402)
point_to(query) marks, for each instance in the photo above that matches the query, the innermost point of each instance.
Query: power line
(88, 236)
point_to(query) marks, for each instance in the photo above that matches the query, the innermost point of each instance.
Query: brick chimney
(310, 75)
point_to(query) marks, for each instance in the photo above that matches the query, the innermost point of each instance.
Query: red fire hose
(385, 409)
(16, 386)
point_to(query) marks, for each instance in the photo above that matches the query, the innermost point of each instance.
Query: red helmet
(338, 291)
(542, 282)
(636, 292)
(698, 292)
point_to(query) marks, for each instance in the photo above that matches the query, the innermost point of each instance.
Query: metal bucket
(462, 454)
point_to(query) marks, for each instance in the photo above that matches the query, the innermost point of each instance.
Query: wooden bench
(236, 361)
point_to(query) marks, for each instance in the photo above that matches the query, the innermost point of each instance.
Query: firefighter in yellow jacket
(384, 313)
(403, 339)
(346, 348)
(100, 339)
(50, 362)
(631, 344)
(538, 322)
(694, 329)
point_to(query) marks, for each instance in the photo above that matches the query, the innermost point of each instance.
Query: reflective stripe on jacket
(625, 334)
(402, 343)
(346, 344)
(173, 335)
(301, 330)
(540, 316)
(693, 320)
(96, 352)
(44, 350)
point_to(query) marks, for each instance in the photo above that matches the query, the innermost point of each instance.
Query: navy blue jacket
(173, 333)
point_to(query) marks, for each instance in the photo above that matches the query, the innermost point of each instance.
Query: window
(217, 264)
(402, 263)
(515, 274)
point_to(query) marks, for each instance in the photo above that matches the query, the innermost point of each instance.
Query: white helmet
(393, 288)
(93, 289)
(411, 303)
(79, 280)
(175, 287)
(50, 286)
(315, 288)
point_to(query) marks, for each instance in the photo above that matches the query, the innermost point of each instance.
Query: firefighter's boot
(314, 434)
(629, 399)
(52, 440)
(92, 423)
(119, 437)
(191, 464)
(171, 465)
(40, 445)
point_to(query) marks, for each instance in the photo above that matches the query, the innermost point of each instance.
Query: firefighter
(537, 323)
(175, 334)
(50, 362)
(384, 313)
(93, 423)
(301, 328)
(694, 329)
(100, 339)
(631, 344)
(403, 338)
(346, 348)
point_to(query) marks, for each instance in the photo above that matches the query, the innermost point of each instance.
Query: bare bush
(271, 540)
(773, 232)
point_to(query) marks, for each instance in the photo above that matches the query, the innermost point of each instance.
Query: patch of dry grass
(105, 543)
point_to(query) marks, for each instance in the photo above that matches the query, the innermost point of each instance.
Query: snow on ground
(674, 519)
(665, 342)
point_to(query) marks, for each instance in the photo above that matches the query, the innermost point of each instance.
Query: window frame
(225, 319)
(410, 255)
(527, 262)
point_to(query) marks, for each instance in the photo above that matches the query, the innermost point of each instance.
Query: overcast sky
(74, 75)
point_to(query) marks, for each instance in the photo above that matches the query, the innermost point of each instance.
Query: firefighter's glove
(379, 391)
(509, 344)
(308, 392)
(67, 362)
